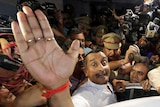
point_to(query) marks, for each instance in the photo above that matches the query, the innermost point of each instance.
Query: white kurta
(93, 95)
(154, 77)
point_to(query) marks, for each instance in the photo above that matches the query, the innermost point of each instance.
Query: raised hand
(39, 50)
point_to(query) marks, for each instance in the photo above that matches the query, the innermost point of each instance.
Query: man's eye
(82, 40)
(140, 73)
(94, 64)
(104, 63)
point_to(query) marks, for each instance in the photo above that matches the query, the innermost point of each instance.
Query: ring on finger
(30, 40)
(51, 38)
(39, 38)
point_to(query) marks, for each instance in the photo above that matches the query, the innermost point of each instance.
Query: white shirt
(154, 76)
(93, 95)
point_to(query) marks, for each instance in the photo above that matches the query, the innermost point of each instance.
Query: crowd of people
(77, 61)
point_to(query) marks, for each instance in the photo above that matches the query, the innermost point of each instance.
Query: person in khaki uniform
(120, 65)
(112, 46)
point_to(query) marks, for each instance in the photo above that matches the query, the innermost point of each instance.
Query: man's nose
(100, 67)
(135, 74)
(112, 52)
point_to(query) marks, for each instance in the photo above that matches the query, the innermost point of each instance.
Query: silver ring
(39, 38)
(49, 39)
(30, 40)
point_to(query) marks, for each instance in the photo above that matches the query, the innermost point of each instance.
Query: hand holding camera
(133, 54)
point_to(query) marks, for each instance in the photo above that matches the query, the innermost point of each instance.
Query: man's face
(112, 54)
(79, 37)
(138, 73)
(142, 42)
(98, 37)
(99, 40)
(83, 28)
(97, 68)
(67, 20)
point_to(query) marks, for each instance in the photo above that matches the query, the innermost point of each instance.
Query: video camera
(136, 55)
(130, 26)
(8, 63)
(33, 4)
(152, 28)
(47, 7)
(131, 21)
(136, 25)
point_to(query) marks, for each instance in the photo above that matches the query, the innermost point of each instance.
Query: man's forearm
(116, 64)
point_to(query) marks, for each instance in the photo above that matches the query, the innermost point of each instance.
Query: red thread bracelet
(49, 92)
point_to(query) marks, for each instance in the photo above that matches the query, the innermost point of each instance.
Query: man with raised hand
(43, 57)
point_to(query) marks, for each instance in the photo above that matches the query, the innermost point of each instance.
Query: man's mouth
(101, 74)
(134, 80)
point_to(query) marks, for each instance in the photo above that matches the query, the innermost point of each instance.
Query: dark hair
(93, 51)
(74, 30)
(145, 61)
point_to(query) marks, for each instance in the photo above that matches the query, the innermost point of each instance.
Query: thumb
(74, 49)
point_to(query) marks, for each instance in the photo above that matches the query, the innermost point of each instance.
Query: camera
(8, 63)
(131, 21)
(130, 26)
(152, 28)
(47, 8)
(136, 56)
(33, 4)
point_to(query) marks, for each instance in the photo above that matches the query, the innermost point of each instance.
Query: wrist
(62, 99)
(49, 92)
(124, 61)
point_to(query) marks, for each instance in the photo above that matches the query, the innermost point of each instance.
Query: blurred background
(7, 7)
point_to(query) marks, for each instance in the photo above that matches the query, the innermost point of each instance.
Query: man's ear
(85, 71)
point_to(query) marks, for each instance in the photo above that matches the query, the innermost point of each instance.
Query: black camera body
(131, 21)
(130, 26)
(47, 8)
(9, 64)
(33, 4)
(152, 28)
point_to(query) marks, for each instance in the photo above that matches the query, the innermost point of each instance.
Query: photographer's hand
(131, 50)
(40, 52)
(146, 85)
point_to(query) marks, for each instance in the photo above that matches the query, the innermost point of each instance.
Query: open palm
(40, 52)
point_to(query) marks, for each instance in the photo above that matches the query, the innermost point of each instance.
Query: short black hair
(74, 30)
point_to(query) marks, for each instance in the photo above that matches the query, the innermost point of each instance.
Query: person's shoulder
(82, 97)
(84, 90)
